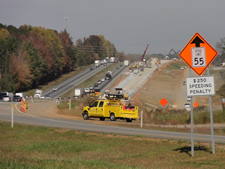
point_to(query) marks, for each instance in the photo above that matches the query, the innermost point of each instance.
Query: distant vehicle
(188, 98)
(181, 68)
(6, 99)
(117, 67)
(108, 75)
(96, 85)
(78, 92)
(55, 88)
(38, 93)
(103, 79)
(112, 60)
(105, 64)
(184, 82)
(97, 63)
(136, 71)
(86, 90)
(187, 106)
(2, 94)
(126, 62)
(19, 94)
(91, 87)
(99, 82)
(17, 98)
(121, 64)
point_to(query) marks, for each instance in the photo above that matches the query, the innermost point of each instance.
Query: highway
(81, 125)
(78, 79)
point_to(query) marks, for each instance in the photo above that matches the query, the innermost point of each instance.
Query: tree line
(31, 56)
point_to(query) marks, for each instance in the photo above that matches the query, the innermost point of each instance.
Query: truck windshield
(94, 104)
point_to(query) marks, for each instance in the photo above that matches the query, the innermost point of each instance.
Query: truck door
(99, 109)
(93, 109)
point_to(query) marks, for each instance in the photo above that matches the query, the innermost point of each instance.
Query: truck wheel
(129, 120)
(102, 118)
(112, 117)
(85, 116)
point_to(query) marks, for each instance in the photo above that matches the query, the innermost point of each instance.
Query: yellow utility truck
(112, 107)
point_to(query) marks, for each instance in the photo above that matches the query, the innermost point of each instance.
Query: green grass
(42, 147)
(175, 65)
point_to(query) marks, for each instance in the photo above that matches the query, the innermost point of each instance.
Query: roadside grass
(42, 147)
(90, 82)
(174, 65)
(55, 82)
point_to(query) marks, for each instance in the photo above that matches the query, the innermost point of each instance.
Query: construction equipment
(112, 107)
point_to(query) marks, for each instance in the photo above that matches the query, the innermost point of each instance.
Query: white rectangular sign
(200, 86)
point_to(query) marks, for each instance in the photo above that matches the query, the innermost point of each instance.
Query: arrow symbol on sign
(197, 41)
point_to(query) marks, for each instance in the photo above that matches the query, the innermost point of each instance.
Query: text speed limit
(198, 57)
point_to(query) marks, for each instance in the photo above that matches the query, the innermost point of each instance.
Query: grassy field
(42, 147)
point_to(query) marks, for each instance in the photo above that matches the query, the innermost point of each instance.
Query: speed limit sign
(198, 54)
(198, 57)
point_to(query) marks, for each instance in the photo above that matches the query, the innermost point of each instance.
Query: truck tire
(112, 117)
(85, 116)
(129, 120)
(102, 118)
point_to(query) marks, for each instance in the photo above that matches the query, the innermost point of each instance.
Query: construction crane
(144, 53)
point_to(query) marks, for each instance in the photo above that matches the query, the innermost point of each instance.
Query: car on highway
(117, 67)
(91, 87)
(17, 98)
(103, 79)
(55, 88)
(96, 85)
(99, 82)
(6, 98)
(87, 90)
(188, 98)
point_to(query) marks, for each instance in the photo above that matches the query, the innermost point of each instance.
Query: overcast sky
(129, 24)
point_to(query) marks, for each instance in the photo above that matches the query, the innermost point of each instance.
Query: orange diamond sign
(163, 102)
(195, 104)
(198, 54)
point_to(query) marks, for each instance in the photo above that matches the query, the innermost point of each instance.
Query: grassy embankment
(58, 80)
(42, 147)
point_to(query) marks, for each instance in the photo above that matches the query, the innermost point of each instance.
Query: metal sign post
(211, 118)
(192, 127)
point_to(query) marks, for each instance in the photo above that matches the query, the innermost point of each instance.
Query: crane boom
(144, 53)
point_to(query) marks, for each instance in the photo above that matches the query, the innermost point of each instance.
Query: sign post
(199, 54)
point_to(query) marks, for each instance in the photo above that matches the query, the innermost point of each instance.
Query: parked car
(6, 99)
(16, 98)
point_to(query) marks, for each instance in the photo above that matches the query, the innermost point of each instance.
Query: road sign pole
(211, 118)
(192, 128)
(141, 119)
(12, 117)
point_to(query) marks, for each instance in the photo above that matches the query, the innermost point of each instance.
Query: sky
(129, 24)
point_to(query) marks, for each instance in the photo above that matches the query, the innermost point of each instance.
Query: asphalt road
(27, 118)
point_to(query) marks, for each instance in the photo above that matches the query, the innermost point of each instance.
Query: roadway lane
(71, 82)
(27, 118)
